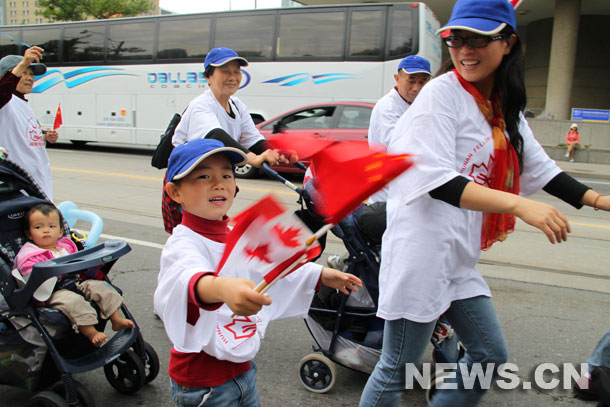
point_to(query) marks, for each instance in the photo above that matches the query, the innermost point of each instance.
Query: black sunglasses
(477, 41)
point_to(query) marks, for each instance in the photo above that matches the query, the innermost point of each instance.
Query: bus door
(115, 118)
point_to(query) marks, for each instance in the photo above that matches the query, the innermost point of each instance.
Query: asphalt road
(552, 300)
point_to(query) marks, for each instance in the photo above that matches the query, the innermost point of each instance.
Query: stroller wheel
(47, 399)
(126, 373)
(151, 364)
(83, 395)
(317, 373)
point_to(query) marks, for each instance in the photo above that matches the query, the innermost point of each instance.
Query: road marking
(157, 179)
(591, 225)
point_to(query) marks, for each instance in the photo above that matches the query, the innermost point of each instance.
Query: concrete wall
(552, 133)
(591, 87)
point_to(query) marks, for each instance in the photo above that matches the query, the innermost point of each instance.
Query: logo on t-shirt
(33, 132)
(479, 173)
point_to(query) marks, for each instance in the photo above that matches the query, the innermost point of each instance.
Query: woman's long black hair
(510, 85)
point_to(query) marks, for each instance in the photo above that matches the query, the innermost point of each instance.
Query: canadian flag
(269, 241)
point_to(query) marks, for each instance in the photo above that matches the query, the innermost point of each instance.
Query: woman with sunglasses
(476, 155)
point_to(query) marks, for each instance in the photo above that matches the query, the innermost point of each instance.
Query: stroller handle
(273, 174)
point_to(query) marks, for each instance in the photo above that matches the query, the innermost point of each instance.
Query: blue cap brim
(481, 26)
(237, 158)
(240, 60)
(413, 72)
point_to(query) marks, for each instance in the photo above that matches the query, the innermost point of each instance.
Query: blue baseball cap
(415, 64)
(486, 17)
(185, 157)
(220, 56)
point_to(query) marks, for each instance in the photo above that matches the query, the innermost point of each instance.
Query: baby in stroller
(38, 348)
(71, 295)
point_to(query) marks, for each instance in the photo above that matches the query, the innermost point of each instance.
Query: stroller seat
(37, 343)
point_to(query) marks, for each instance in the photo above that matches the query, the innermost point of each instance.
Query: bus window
(84, 43)
(9, 46)
(47, 39)
(311, 35)
(184, 38)
(131, 41)
(251, 36)
(365, 33)
(401, 35)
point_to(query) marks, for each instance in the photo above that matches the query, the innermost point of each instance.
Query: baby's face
(45, 230)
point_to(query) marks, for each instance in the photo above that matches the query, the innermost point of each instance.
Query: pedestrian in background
(572, 140)
(22, 136)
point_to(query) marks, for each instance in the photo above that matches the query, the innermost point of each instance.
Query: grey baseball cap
(10, 61)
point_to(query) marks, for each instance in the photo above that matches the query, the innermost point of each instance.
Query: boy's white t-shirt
(384, 116)
(430, 248)
(218, 333)
(205, 114)
(23, 139)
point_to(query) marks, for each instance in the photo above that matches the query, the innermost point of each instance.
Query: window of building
(311, 34)
(189, 38)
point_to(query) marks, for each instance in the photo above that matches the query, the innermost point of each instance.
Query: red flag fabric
(58, 120)
(515, 3)
(268, 240)
(347, 172)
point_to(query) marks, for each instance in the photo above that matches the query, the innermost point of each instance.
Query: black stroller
(346, 328)
(38, 348)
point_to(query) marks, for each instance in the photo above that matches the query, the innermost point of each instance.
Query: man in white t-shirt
(413, 73)
(22, 135)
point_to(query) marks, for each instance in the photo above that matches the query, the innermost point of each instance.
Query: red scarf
(504, 173)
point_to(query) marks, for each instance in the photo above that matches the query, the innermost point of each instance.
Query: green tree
(76, 10)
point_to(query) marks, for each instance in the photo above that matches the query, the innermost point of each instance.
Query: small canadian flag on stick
(58, 120)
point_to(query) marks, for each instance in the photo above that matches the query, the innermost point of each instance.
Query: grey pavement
(585, 170)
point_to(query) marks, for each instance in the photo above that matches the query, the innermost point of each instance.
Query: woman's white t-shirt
(430, 248)
(205, 114)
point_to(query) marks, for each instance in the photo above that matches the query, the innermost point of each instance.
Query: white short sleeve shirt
(430, 248)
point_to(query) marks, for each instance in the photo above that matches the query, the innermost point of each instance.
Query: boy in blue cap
(211, 361)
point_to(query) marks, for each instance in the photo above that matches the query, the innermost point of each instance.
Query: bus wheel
(246, 171)
(78, 142)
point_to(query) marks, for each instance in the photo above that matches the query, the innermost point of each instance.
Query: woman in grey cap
(22, 135)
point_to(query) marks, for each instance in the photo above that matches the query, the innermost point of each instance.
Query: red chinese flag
(58, 120)
(347, 172)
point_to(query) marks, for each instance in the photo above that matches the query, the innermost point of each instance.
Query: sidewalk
(585, 170)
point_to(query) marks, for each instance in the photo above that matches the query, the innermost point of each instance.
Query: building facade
(17, 12)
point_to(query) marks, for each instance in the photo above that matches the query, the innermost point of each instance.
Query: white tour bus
(121, 80)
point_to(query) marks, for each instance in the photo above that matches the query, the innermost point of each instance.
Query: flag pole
(263, 286)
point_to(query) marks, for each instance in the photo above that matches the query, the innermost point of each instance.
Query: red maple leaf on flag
(289, 237)
(259, 252)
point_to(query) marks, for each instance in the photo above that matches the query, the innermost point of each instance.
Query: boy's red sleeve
(193, 300)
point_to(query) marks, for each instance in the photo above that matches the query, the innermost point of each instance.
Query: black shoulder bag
(164, 148)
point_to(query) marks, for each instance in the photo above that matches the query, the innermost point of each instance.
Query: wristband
(595, 202)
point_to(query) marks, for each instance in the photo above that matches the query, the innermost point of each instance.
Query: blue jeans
(601, 353)
(240, 391)
(476, 324)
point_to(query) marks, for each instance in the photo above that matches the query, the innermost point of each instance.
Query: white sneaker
(567, 155)
(571, 160)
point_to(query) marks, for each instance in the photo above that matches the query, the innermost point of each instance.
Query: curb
(591, 175)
